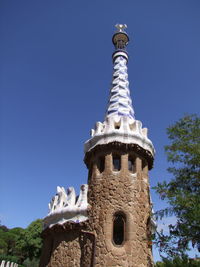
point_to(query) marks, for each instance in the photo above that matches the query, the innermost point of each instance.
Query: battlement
(66, 206)
(122, 129)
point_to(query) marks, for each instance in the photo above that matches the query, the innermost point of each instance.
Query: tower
(110, 223)
(119, 156)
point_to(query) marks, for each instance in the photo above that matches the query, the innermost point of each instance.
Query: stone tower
(110, 224)
(119, 156)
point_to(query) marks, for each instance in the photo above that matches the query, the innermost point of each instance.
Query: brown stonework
(67, 245)
(91, 243)
(145, 154)
(120, 191)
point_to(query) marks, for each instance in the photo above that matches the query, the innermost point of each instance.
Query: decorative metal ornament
(121, 27)
(120, 38)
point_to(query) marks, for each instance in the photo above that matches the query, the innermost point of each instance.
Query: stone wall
(120, 191)
(64, 246)
(91, 243)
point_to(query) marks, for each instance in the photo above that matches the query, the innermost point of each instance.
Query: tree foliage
(21, 245)
(182, 192)
(33, 241)
(178, 262)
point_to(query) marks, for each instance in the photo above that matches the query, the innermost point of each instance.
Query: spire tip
(121, 27)
(120, 38)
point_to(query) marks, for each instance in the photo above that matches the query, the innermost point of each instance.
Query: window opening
(116, 163)
(117, 126)
(90, 172)
(119, 229)
(149, 232)
(132, 164)
(101, 164)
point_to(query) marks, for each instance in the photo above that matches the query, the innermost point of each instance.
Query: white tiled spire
(120, 102)
(120, 124)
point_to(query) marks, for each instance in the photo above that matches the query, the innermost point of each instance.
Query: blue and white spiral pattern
(120, 102)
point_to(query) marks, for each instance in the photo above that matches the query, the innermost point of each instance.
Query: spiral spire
(120, 125)
(120, 103)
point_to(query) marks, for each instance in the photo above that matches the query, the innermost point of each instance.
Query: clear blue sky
(55, 75)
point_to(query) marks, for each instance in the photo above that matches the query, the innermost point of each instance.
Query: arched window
(116, 163)
(119, 223)
(132, 164)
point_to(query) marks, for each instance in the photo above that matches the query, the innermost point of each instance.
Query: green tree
(182, 192)
(22, 245)
(178, 262)
(33, 242)
(31, 263)
(8, 241)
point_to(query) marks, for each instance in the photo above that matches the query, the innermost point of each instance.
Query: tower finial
(120, 38)
(121, 27)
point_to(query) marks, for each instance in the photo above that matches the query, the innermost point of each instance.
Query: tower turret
(109, 223)
(119, 155)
